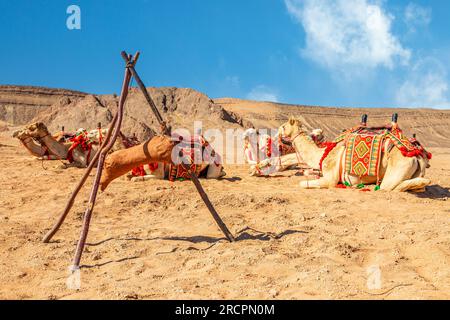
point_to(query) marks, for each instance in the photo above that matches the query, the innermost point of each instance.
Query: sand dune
(156, 240)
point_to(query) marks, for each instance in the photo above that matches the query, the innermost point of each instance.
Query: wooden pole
(77, 189)
(165, 131)
(94, 191)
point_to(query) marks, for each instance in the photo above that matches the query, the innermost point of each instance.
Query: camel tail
(413, 184)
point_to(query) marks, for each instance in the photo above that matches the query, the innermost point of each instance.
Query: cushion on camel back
(157, 149)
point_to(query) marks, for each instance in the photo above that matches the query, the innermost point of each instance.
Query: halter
(299, 158)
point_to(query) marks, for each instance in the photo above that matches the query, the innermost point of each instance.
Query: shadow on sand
(435, 192)
(243, 235)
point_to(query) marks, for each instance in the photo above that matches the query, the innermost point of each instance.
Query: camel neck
(32, 147)
(56, 148)
(308, 150)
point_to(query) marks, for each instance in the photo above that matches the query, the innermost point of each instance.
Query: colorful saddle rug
(364, 146)
(363, 154)
(82, 139)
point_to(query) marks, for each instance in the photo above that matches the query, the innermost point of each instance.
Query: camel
(40, 143)
(155, 159)
(285, 160)
(397, 172)
(36, 149)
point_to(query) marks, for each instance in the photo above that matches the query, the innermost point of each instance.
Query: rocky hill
(181, 107)
(20, 104)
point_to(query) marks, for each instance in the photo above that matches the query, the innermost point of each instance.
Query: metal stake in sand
(165, 131)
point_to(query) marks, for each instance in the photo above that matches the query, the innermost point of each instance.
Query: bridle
(291, 141)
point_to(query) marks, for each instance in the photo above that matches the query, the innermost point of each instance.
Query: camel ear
(292, 121)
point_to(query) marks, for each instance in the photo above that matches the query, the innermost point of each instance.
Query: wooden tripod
(107, 144)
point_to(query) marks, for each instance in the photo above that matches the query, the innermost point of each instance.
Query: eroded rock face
(182, 106)
(20, 104)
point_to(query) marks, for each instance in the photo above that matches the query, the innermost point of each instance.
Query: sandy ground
(156, 240)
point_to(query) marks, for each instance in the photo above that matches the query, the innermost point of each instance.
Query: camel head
(291, 128)
(20, 134)
(37, 130)
(317, 136)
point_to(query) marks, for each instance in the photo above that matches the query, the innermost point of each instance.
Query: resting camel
(397, 172)
(36, 149)
(154, 159)
(40, 143)
(283, 161)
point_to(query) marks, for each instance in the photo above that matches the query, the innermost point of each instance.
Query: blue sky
(367, 53)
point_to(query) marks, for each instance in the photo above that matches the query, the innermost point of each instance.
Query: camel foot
(310, 184)
(413, 184)
(143, 178)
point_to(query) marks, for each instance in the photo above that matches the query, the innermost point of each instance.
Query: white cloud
(262, 93)
(349, 36)
(417, 16)
(426, 86)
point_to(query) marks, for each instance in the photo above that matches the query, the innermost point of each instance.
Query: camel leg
(399, 170)
(144, 178)
(321, 183)
(311, 184)
(215, 172)
(417, 184)
(330, 179)
(286, 162)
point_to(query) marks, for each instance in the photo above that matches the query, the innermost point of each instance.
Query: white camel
(397, 172)
(279, 162)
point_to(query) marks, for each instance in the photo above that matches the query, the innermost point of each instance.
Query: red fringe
(415, 153)
(76, 141)
(140, 171)
(329, 146)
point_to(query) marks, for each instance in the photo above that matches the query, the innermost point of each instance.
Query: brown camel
(38, 140)
(157, 149)
(36, 149)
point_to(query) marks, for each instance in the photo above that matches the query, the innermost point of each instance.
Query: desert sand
(156, 239)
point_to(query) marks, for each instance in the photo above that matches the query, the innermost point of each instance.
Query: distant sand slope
(431, 126)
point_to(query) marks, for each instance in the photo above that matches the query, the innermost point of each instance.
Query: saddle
(194, 152)
(364, 146)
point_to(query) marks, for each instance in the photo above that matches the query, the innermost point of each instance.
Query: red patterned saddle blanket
(363, 153)
(364, 147)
